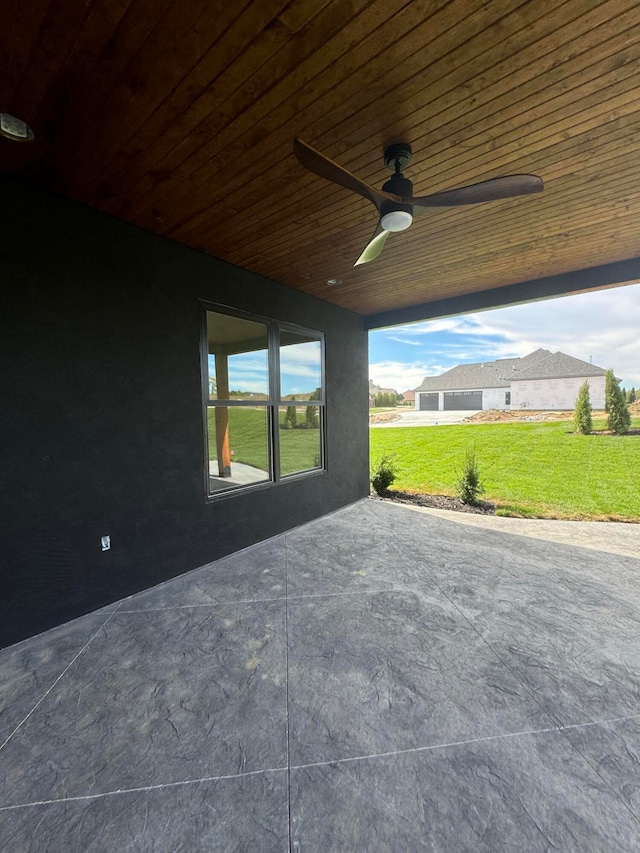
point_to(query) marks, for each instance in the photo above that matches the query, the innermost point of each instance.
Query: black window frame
(273, 403)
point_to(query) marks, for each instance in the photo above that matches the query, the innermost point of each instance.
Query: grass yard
(248, 437)
(528, 469)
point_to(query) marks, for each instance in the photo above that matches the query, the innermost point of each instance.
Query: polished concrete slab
(379, 679)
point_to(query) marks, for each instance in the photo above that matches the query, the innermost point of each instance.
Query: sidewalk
(412, 417)
(611, 537)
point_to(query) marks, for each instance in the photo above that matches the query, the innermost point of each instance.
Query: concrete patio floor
(378, 680)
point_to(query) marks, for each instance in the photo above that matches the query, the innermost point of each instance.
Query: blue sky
(300, 369)
(604, 325)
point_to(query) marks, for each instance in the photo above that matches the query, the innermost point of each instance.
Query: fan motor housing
(399, 185)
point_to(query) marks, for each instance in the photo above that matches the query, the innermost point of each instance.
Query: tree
(468, 486)
(290, 418)
(386, 398)
(582, 422)
(619, 419)
(631, 396)
(311, 417)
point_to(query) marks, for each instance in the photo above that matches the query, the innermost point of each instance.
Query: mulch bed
(435, 502)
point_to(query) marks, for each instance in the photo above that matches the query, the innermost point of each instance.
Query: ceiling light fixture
(396, 220)
(15, 129)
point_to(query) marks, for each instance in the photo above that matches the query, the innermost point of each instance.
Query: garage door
(429, 402)
(461, 400)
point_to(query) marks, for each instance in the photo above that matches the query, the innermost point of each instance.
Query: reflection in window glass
(259, 429)
(238, 358)
(299, 436)
(238, 446)
(300, 366)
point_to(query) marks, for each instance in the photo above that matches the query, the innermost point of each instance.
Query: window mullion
(274, 397)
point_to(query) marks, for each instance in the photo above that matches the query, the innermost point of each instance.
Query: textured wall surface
(101, 421)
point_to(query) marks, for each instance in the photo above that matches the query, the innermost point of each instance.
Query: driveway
(380, 679)
(411, 417)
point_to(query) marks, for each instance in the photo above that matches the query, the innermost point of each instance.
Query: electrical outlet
(105, 541)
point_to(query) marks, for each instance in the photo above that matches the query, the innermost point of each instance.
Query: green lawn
(532, 469)
(299, 448)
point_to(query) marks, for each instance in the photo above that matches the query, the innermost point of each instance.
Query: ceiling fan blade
(507, 186)
(374, 246)
(320, 165)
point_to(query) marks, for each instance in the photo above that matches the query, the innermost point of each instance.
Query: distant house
(374, 390)
(540, 380)
(409, 396)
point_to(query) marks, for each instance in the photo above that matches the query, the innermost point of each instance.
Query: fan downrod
(399, 153)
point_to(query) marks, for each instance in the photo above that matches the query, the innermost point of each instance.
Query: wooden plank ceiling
(179, 116)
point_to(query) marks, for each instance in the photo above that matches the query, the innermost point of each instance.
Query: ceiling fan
(395, 202)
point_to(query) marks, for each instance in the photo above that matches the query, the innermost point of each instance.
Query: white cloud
(400, 375)
(603, 325)
(428, 327)
(405, 341)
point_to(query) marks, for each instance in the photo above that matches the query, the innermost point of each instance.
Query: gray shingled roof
(559, 365)
(467, 376)
(540, 364)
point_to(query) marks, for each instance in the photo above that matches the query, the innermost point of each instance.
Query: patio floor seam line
(64, 671)
(354, 592)
(431, 747)
(414, 749)
(212, 604)
(141, 789)
(411, 750)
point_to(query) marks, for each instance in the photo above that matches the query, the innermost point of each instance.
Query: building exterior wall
(495, 398)
(102, 415)
(555, 394)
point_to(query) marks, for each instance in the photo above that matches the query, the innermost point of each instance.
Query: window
(507, 398)
(263, 385)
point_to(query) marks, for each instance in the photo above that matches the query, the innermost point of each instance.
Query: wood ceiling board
(171, 152)
(442, 215)
(222, 68)
(176, 37)
(275, 246)
(232, 224)
(559, 159)
(181, 119)
(263, 127)
(20, 28)
(279, 142)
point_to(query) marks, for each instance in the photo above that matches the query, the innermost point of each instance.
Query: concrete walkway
(610, 537)
(412, 418)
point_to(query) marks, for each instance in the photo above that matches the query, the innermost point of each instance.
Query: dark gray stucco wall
(101, 421)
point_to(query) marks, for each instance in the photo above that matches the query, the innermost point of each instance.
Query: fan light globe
(396, 220)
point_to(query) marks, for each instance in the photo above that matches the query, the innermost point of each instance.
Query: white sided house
(540, 380)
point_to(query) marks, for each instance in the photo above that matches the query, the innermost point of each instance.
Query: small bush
(619, 419)
(582, 422)
(383, 473)
(468, 486)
